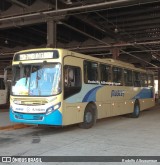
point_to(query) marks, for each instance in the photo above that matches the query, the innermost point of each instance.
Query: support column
(51, 34)
(115, 53)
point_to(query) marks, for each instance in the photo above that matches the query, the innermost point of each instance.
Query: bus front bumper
(54, 118)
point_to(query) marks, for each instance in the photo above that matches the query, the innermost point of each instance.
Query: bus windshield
(36, 79)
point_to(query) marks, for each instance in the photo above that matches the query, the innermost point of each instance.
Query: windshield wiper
(27, 74)
(37, 78)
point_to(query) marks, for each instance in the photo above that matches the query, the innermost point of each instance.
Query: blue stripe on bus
(55, 118)
(91, 95)
(144, 94)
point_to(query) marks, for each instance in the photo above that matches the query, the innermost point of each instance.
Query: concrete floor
(115, 136)
(4, 119)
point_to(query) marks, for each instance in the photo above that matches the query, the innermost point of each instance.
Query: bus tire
(136, 110)
(90, 116)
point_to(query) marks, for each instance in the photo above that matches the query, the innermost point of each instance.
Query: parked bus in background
(4, 94)
(60, 87)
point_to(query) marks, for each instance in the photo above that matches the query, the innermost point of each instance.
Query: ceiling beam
(102, 47)
(106, 44)
(79, 9)
(28, 21)
(84, 33)
(113, 14)
(152, 21)
(94, 24)
(120, 45)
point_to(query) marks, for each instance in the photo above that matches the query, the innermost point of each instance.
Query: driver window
(72, 76)
(72, 80)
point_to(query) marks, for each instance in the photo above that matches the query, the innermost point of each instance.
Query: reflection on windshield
(37, 80)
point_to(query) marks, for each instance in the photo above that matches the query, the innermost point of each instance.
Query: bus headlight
(17, 101)
(53, 108)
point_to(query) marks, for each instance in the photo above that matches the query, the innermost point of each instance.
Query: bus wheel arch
(90, 116)
(136, 109)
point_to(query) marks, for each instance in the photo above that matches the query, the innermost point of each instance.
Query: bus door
(72, 87)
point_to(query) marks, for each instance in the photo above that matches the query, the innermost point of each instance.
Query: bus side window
(105, 74)
(136, 79)
(90, 72)
(72, 80)
(150, 80)
(128, 77)
(117, 75)
(144, 80)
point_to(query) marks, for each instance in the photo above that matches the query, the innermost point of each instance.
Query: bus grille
(33, 102)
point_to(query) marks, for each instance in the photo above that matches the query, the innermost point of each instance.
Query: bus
(59, 87)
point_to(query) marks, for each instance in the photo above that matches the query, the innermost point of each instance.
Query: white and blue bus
(59, 87)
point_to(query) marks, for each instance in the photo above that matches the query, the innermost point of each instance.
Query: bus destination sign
(35, 56)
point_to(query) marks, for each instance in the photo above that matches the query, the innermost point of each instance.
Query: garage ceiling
(130, 28)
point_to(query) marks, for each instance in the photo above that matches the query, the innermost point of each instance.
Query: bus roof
(109, 61)
(88, 57)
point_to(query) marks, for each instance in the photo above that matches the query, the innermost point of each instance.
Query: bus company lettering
(93, 82)
(117, 93)
(30, 110)
(110, 83)
(19, 109)
(38, 110)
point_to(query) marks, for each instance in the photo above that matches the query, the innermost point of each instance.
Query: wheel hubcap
(137, 110)
(88, 117)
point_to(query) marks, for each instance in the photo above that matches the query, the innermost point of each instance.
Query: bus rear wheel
(136, 110)
(89, 118)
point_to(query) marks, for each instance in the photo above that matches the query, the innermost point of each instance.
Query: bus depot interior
(96, 49)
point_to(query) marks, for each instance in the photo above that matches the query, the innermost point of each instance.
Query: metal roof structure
(101, 28)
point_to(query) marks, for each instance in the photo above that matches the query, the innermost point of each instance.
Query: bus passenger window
(137, 79)
(128, 77)
(90, 72)
(144, 80)
(72, 80)
(117, 75)
(150, 80)
(105, 72)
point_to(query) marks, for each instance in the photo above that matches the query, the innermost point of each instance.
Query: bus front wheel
(136, 110)
(89, 118)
